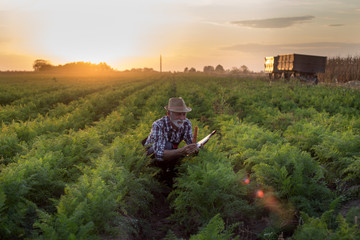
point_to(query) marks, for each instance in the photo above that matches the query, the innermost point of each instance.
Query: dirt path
(159, 222)
(346, 207)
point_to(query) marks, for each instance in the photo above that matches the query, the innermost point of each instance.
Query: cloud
(315, 48)
(336, 25)
(272, 22)
(216, 23)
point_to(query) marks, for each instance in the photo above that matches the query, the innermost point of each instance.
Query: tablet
(205, 139)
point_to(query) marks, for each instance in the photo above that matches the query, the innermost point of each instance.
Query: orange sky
(132, 33)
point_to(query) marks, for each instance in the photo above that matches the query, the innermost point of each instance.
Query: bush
(293, 175)
(105, 200)
(317, 229)
(241, 140)
(214, 230)
(208, 186)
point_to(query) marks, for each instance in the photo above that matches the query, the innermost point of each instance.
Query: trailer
(304, 67)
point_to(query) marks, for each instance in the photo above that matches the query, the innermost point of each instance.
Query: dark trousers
(168, 167)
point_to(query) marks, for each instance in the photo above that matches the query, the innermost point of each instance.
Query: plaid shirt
(162, 132)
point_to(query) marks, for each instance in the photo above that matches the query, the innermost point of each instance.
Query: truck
(301, 66)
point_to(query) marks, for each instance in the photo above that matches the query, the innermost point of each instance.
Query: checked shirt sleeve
(158, 140)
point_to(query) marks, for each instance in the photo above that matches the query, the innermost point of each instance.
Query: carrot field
(284, 163)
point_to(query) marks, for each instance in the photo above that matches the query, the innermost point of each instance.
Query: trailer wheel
(316, 81)
(287, 76)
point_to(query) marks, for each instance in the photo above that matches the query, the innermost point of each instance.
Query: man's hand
(180, 152)
(190, 149)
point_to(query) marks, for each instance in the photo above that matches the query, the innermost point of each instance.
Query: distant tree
(235, 70)
(136, 70)
(244, 69)
(209, 69)
(148, 70)
(104, 67)
(41, 65)
(192, 70)
(186, 70)
(219, 69)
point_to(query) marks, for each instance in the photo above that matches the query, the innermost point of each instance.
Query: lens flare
(247, 180)
(285, 212)
(260, 193)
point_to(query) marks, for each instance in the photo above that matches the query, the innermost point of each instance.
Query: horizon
(133, 34)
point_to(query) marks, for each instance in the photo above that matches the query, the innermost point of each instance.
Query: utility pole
(160, 63)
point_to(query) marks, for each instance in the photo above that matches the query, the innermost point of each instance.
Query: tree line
(220, 69)
(41, 65)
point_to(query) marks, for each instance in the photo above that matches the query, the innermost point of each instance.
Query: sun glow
(101, 32)
(134, 33)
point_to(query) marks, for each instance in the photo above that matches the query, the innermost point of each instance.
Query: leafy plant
(208, 186)
(316, 229)
(214, 230)
(293, 175)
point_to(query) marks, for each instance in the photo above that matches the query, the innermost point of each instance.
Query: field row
(53, 159)
(77, 170)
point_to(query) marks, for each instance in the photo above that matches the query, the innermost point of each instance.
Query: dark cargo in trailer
(301, 66)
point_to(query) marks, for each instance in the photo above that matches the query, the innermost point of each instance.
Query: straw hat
(177, 105)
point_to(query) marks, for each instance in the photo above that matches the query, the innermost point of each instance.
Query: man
(166, 134)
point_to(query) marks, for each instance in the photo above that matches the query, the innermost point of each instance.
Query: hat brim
(182, 109)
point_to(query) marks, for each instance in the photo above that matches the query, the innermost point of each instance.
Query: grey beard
(176, 122)
(178, 125)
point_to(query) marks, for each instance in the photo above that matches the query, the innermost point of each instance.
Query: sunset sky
(187, 33)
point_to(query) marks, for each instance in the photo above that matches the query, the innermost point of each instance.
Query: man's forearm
(173, 154)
